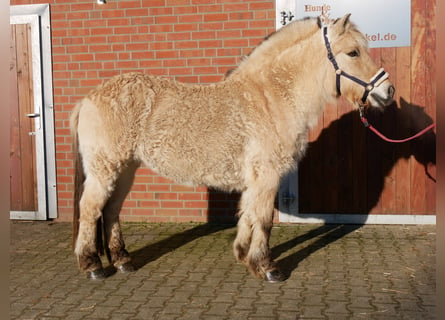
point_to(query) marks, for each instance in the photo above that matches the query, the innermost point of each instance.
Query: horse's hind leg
(114, 241)
(97, 188)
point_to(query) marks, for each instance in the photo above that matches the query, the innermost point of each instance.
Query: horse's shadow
(220, 216)
(337, 196)
(222, 206)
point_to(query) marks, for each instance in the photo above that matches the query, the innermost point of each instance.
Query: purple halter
(381, 74)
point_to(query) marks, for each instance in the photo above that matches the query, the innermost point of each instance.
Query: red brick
(81, 6)
(128, 4)
(166, 212)
(142, 55)
(185, 27)
(136, 46)
(171, 19)
(173, 63)
(149, 204)
(216, 17)
(172, 204)
(166, 54)
(228, 34)
(82, 57)
(211, 26)
(186, 44)
(180, 71)
(153, 3)
(196, 204)
(191, 213)
(178, 36)
(118, 22)
(190, 18)
(141, 196)
(242, 6)
(105, 56)
(113, 13)
(210, 8)
(195, 2)
(142, 212)
(177, 2)
(161, 28)
(189, 196)
(191, 54)
(125, 30)
(185, 10)
(159, 187)
(161, 11)
(261, 5)
(210, 43)
(242, 42)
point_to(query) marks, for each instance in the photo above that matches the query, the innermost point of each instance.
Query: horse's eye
(354, 53)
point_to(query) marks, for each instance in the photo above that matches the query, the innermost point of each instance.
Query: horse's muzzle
(382, 95)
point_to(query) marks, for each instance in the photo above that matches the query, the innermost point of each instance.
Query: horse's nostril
(391, 91)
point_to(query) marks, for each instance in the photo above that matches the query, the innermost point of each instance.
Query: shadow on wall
(340, 174)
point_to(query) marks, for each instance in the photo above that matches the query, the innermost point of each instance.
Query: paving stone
(187, 271)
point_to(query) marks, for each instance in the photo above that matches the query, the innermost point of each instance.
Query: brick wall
(189, 40)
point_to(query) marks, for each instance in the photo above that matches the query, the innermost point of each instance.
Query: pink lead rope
(368, 125)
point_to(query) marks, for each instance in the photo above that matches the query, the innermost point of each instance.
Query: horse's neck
(292, 69)
(299, 73)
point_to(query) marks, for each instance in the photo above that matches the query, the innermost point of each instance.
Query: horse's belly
(197, 170)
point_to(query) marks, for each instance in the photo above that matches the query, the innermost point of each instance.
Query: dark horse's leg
(251, 245)
(114, 241)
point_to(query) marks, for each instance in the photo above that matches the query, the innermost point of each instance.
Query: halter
(380, 76)
(375, 81)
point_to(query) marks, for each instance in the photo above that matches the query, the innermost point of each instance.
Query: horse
(240, 134)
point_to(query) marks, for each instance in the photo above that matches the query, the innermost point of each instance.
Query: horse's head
(357, 77)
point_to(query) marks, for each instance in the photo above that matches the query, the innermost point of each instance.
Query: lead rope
(382, 136)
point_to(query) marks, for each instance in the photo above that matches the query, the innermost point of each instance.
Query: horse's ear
(342, 23)
(345, 20)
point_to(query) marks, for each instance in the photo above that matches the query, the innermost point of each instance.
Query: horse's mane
(278, 41)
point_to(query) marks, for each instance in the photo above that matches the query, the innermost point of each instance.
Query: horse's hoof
(274, 276)
(97, 274)
(126, 267)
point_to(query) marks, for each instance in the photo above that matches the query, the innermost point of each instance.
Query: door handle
(33, 115)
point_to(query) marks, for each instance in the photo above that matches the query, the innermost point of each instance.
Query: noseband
(378, 78)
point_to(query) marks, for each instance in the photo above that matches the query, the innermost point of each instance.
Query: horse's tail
(79, 175)
(79, 179)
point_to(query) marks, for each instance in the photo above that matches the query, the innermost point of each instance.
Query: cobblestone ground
(187, 271)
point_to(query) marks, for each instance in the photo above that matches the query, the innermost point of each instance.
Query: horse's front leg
(251, 245)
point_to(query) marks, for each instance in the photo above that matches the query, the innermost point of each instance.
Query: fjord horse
(241, 134)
